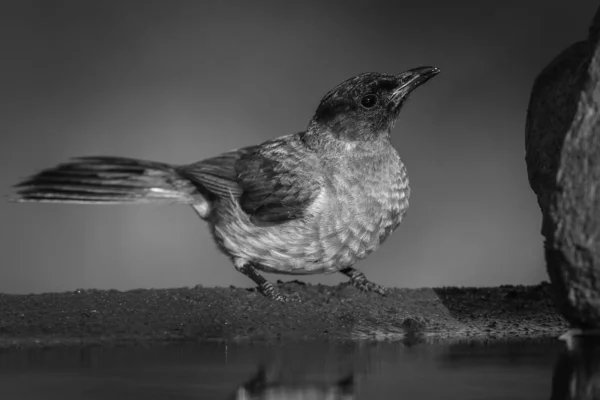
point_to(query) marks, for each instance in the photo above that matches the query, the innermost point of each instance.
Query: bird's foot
(269, 291)
(360, 281)
(264, 286)
(368, 286)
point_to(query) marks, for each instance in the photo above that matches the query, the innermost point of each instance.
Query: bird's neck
(326, 143)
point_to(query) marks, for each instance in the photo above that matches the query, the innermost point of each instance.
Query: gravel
(142, 316)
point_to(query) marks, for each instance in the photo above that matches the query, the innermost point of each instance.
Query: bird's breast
(366, 202)
(359, 206)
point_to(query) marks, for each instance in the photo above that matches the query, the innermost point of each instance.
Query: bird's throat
(331, 143)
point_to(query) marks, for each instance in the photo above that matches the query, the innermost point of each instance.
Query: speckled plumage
(354, 203)
(316, 201)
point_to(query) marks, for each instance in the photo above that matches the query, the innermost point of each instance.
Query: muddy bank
(326, 312)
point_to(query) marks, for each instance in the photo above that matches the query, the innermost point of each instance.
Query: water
(283, 371)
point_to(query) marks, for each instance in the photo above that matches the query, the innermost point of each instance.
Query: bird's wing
(217, 176)
(280, 180)
(274, 182)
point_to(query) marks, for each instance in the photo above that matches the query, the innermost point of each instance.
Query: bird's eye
(368, 101)
(404, 80)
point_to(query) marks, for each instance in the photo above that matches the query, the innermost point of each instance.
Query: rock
(563, 165)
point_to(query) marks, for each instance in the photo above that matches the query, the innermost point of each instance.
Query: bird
(315, 201)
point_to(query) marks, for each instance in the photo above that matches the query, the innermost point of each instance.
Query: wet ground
(325, 313)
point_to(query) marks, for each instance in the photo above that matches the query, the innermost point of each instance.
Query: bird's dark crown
(366, 106)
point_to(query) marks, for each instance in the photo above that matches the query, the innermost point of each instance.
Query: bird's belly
(288, 248)
(335, 237)
(357, 232)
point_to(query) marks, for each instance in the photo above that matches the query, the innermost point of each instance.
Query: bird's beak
(411, 79)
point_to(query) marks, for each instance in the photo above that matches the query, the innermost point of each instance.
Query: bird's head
(365, 107)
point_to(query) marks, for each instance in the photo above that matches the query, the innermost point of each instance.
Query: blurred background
(179, 81)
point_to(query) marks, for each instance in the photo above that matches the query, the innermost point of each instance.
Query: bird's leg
(264, 286)
(359, 280)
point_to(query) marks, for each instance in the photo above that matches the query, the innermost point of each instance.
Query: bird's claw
(269, 291)
(360, 281)
(368, 286)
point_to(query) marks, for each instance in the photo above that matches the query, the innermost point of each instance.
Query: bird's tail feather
(106, 180)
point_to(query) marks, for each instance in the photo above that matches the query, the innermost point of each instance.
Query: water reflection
(577, 371)
(263, 386)
(518, 370)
